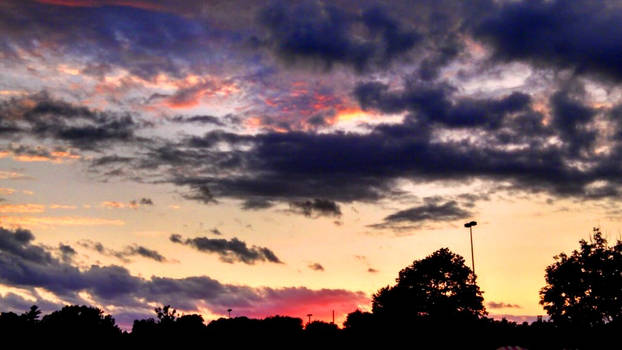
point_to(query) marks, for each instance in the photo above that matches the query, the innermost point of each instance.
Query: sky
(291, 157)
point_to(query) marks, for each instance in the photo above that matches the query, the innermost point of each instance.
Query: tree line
(435, 303)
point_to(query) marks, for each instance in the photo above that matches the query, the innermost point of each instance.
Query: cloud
(316, 208)
(27, 153)
(22, 208)
(13, 175)
(198, 119)
(44, 117)
(109, 36)
(448, 132)
(578, 35)
(25, 265)
(201, 193)
(133, 204)
(17, 303)
(256, 203)
(435, 104)
(43, 221)
(324, 33)
(145, 201)
(430, 211)
(316, 267)
(126, 253)
(229, 251)
(7, 191)
(502, 305)
(67, 252)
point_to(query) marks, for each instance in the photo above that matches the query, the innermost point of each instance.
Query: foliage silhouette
(438, 287)
(77, 324)
(585, 288)
(434, 304)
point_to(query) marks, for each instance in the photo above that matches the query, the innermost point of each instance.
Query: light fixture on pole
(470, 226)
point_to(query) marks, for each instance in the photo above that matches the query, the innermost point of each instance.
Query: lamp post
(229, 311)
(470, 226)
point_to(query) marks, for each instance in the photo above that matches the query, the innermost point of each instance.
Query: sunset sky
(290, 157)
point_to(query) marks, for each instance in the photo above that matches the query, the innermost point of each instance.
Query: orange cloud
(119, 205)
(192, 89)
(54, 157)
(62, 206)
(34, 221)
(22, 208)
(12, 175)
(6, 191)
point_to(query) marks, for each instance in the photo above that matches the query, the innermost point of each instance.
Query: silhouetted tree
(32, 315)
(362, 321)
(190, 323)
(76, 323)
(166, 314)
(585, 287)
(321, 331)
(438, 287)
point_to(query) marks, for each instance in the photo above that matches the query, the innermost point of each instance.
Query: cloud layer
(26, 265)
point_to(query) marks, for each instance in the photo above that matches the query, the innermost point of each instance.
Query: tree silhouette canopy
(439, 286)
(585, 288)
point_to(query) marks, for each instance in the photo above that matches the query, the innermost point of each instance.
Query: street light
(229, 311)
(470, 226)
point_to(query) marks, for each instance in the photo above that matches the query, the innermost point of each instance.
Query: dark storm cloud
(325, 33)
(448, 211)
(581, 35)
(315, 208)
(22, 266)
(42, 116)
(513, 145)
(434, 104)
(229, 251)
(510, 140)
(429, 211)
(126, 253)
(571, 118)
